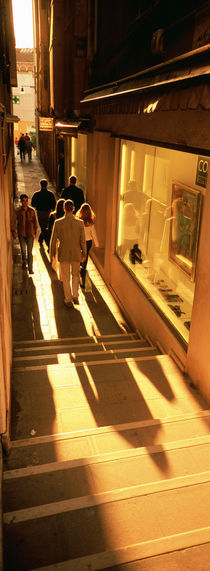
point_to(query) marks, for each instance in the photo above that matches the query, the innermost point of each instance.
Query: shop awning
(183, 72)
(67, 128)
(71, 127)
(11, 118)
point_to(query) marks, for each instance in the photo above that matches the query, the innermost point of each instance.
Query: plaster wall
(198, 358)
(186, 127)
(5, 289)
(1, 509)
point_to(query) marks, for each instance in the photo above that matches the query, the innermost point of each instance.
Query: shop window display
(158, 226)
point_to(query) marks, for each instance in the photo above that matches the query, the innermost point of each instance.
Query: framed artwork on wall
(184, 227)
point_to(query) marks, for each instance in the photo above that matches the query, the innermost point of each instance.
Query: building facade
(62, 54)
(24, 93)
(7, 80)
(139, 143)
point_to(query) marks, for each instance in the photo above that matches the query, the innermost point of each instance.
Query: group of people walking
(67, 227)
(25, 147)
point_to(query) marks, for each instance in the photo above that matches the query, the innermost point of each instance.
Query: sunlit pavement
(45, 315)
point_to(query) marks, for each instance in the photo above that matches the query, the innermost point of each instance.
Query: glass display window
(79, 159)
(158, 226)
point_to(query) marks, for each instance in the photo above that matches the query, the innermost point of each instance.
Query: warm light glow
(132, 169)
(23, 23)
(151, 107)
(62, 375)
(70, 125)
(122, 181)
(73, 155)
(63, 358)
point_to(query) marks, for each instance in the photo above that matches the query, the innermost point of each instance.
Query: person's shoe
(24, 266)
(30, 271)
(68, 304)
(75, 300)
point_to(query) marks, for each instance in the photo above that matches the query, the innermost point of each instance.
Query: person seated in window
(130, 228)
(132, 195)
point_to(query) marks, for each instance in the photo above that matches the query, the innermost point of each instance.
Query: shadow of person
(101, 313)
(115, 398)
(25, 311)
(69, 322)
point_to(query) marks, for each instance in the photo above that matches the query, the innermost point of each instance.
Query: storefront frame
(177, 309)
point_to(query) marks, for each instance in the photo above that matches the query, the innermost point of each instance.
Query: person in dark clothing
(22, 147)
(57, 213)
(74, 193)
(28, 147)
(44, 202)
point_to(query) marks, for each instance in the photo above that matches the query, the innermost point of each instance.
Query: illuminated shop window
(73, 155)
(160, 198)
(79, 159)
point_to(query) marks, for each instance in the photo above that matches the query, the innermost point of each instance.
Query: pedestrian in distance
(22, 147)
(28, 148)
(74, 193)
(44, 202)
(86, 214)
(69, 234)
(25, 220)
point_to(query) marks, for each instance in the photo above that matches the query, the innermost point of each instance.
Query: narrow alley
(109, 466)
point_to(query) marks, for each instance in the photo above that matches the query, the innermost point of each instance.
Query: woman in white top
(86, 214)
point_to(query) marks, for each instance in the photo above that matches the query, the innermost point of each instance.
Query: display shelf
(165, 294)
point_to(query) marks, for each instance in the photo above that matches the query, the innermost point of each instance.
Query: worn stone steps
(84, 396)
(110, 446)
(40, 343)
(107, 522)
(188, 550)
(38, 450)
(84, 346)
(95, 353)
(59, 481)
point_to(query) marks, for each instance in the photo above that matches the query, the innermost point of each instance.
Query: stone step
(76, 445)
(95, 354)
(188, 550)
(59, 481)
(76, 340)
(86, 395)
(38, 351)
(107, 522)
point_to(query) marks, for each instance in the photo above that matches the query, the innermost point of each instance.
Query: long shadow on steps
(25, 311)
(101, 313)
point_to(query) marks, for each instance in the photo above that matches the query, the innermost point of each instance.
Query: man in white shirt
(69, 233)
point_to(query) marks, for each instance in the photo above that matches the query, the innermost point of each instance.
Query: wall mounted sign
(46, 123)
(202, 172)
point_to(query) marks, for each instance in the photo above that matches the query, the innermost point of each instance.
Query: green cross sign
(16, 99)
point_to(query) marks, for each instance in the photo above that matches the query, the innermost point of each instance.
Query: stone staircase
(110, 457)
